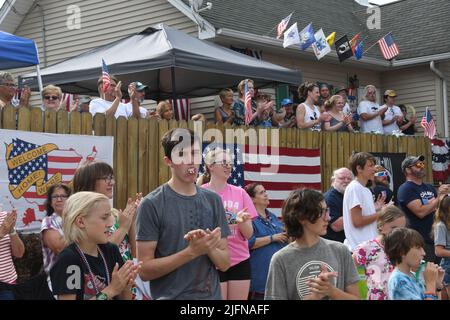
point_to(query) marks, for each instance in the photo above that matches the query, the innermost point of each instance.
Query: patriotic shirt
(53, 222)
(7, 270)
(234, 200)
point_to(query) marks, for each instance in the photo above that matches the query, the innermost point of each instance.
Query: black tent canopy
(168, 61)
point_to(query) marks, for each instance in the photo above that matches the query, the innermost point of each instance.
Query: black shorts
(240, 271)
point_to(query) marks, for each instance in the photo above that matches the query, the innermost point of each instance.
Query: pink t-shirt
(234, 200)
(7, 270)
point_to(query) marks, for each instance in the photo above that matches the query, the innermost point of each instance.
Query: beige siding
(419, 87)
(101, 22)
(445, 68)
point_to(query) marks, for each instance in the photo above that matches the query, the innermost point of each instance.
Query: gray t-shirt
(166, 216)
(291, 267)
(442, 236)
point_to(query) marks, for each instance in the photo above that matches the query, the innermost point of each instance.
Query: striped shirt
(7, 270)
(53, 222)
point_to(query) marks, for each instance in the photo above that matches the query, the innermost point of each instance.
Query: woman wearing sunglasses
(53, 99)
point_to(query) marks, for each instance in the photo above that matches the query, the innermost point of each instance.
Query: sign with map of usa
(32, 162)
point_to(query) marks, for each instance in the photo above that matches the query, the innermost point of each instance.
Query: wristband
(271, 238)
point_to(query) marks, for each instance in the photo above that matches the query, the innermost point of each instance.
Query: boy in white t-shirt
(360, 212)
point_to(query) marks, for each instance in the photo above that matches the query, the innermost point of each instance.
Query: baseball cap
(285, 102)
(139, 86)
(83, 99)
(410, 161)
(339, 89)
(390, 93)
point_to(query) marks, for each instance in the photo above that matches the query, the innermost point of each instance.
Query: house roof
(419, 27)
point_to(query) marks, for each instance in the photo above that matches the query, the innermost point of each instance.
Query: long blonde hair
(79, 204)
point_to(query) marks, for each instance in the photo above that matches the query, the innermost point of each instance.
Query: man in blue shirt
(334, 198)
(419, 201)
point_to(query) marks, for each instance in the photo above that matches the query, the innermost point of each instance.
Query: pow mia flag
(343, 48)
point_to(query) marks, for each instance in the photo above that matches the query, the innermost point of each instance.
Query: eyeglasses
(51, 97)
(59, 196)
(324, 212)
(224, 163)
(11, 85)
(107, 179)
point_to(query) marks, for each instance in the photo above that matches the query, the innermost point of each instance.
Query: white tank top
(311, 115)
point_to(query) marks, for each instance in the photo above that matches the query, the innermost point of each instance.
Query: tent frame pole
(39, 79)
(174, 93)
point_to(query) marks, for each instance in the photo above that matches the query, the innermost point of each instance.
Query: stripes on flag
(388, 47)
(247, 104)
(182, 109)
(428, 124)
(105, 76)
(283, 25)
(279, 170)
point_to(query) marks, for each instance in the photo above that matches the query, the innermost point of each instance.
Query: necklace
(91, 274)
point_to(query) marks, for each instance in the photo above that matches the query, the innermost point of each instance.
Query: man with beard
(334, 198)
(419, 201)
(381, 184)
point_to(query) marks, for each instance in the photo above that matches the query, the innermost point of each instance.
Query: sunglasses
(419, 165)
(51, 97)
(381, 174)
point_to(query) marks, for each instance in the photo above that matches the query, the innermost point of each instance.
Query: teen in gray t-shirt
(310, 267)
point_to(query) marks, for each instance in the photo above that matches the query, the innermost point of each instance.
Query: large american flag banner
(388, 47)
(32, 162)
(279, 170)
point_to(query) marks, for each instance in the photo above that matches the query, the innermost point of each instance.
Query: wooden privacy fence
(138, 155)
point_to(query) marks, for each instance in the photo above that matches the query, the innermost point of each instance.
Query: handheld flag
(428, 125)
(105, 77)
(291, 36)
(320, 47)
(343, 49)
(388, 47)
(359, 50)
(307, 37)
(283, 25)
(330, 38)
(247, 105)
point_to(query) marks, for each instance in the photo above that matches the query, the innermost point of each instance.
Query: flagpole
(264, 35)
(376, 42)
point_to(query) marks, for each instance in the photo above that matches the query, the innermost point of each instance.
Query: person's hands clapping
(8, 224)
(118, 90)
(203, 241)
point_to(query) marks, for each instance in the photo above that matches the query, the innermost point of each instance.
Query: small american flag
(296, 168)
(283, 25)
(247, 104)
(388, 47)
(428, 125)
(105, 76)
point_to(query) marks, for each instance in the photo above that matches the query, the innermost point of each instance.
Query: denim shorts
(445, 264)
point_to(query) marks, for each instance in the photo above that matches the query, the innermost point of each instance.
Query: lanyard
(91, 274)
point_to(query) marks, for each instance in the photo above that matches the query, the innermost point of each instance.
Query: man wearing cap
(287, 114)
(8, 89)
(83, 103)
(393, 115)
(109, 102)
(136, 91)
(419, 201)
(370, 112)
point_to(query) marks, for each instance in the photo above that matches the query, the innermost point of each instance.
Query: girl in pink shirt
(240, 210)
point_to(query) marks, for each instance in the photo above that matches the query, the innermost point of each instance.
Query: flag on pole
(291, 36)
(359, 50)
(388, 47)
(428, 125)
(307, 37)
(330, 38)
(105, 76)
(343, 49)
(354, 42)
(320, 47)
(283, 25)
(248, 105)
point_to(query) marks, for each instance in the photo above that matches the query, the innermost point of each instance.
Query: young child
(90, 268)
(310, 267)
(442, 238)
(370, 255)
(405, 249)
